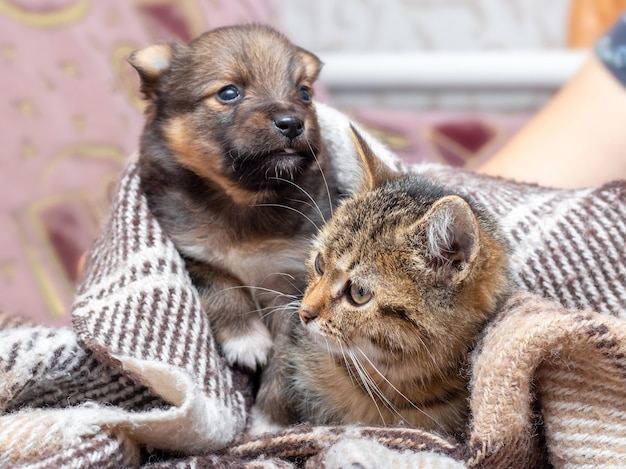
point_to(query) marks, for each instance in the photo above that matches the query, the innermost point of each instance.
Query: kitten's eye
(304, 93)
(359, 295)
(319, 264)
(229, 94)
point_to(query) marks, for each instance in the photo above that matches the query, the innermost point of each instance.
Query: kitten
(402, 280)
(234, 168)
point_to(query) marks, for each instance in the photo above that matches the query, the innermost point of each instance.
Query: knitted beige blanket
(139, 380)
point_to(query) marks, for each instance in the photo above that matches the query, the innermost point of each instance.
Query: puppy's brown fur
(233, 166)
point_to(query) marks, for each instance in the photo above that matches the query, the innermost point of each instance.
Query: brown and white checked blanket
(139, 380)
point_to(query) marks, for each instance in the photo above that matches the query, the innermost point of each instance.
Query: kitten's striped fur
(402, 281)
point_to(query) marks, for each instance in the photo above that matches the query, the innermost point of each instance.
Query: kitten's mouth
(327, 341)
(362, 348)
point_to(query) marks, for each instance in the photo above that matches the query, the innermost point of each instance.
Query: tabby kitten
(402, 280)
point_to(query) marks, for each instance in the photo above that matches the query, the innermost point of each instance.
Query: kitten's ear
(150, 63)
(376, 173)
(452, 237)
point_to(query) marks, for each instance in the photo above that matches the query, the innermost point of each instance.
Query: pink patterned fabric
(462, 139)
(71, 114)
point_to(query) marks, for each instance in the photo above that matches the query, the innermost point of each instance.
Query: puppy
(233, 166)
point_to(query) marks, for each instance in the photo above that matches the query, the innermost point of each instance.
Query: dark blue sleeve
(611, 49)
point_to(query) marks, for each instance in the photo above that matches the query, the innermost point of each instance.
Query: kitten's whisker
(353, 378)
(293, 298)
(264, 289)
(293, 306)
(390, 405)
(427, 349)
(396, 389)
(369, 385)
(329, 353)
(382, 396)
(290, 279)
(268, 311)
(292, 209)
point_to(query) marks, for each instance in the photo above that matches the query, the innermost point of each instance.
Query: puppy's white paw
(251, 349)
(261, 423)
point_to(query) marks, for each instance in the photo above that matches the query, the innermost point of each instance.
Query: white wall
(340, 31)
(412, 25)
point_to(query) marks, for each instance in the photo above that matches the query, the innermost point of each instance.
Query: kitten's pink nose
(306, 314)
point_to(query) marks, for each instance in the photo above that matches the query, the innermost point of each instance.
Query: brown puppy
(233, 166)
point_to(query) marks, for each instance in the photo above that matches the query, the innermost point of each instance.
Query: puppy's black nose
(289, 126)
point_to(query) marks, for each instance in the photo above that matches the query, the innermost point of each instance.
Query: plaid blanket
(139, 380)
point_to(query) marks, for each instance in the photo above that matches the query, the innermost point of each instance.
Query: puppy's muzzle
(288, 125)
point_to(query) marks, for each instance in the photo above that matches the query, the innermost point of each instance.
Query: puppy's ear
(375, 172)
(150, 63)
(312, 64)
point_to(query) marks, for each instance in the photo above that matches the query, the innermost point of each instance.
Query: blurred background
(438, 80)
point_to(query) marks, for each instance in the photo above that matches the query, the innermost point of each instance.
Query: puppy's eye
(229, 94)
(304, 93)
(358, 295)
(319, 264)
